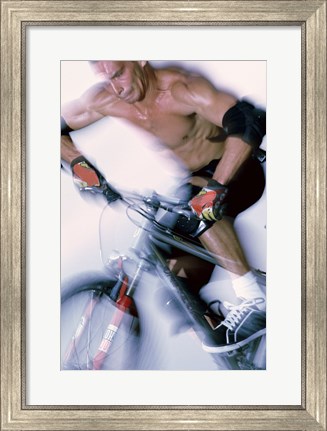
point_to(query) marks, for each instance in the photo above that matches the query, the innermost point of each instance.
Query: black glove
(208, 203)
(85, 174)
(111, 195)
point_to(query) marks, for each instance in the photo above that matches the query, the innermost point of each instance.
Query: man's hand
(208, 203)
(84, 174)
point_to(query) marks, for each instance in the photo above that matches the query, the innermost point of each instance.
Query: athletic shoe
(243, 324)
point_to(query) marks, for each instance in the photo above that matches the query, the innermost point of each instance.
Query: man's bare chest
(169, 125)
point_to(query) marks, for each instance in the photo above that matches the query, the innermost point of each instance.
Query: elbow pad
(65, 129)
(247, 122)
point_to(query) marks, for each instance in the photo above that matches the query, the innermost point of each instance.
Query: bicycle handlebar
(171, 204)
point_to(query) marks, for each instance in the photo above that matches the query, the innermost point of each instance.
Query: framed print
(287, 42)
(129, 348)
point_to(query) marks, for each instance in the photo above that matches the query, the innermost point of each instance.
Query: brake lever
(93, 189)
(110, 194)
(184, 212)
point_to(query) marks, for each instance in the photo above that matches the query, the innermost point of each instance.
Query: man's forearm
(68, 150)
(245, 126)
(236, 153)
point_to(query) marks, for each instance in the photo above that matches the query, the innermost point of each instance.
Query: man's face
(126, 78)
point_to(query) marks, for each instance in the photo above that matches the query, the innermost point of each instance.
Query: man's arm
(76, 115)
(220, 108)
(68, 150)
(245, 127)
(235, 154)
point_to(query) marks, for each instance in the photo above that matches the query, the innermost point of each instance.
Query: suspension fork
(124, 301)
(82, 325)
(124, 304)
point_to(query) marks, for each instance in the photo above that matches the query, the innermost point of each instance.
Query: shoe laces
(237, 312)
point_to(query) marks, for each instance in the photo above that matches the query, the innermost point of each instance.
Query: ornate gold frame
(311, 16)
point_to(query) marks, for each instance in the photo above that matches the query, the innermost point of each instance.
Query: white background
(280, 47)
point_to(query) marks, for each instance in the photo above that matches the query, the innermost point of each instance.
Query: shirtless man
(199, 125)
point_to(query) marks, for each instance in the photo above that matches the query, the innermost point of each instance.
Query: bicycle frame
(144, 256)
(151, 257)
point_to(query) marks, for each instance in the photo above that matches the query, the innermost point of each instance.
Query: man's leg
(222, 240)
(245, 320)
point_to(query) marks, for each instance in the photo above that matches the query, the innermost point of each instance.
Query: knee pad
(247, 122)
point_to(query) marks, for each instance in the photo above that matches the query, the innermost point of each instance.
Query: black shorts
(243, 191)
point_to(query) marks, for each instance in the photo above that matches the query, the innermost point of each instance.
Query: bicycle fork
(81, 327)
(123, 305)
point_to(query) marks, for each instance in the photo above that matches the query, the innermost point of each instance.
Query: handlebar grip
(110, 194)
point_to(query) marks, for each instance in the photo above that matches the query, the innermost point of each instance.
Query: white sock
(247, 287)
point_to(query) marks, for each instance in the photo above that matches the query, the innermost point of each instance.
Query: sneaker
(243, 324)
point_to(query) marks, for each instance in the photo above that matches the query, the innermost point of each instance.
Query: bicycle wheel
(96, 331)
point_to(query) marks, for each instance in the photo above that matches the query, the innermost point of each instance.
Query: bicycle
(103, 316)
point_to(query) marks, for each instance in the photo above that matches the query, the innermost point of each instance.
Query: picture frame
(310, 15)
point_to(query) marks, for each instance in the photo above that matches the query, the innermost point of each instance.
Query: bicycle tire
(87, 311)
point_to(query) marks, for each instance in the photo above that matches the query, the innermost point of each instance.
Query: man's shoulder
(171, 76)
(190, 88)
(99, 98)
(98, 92)
(179, 82)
